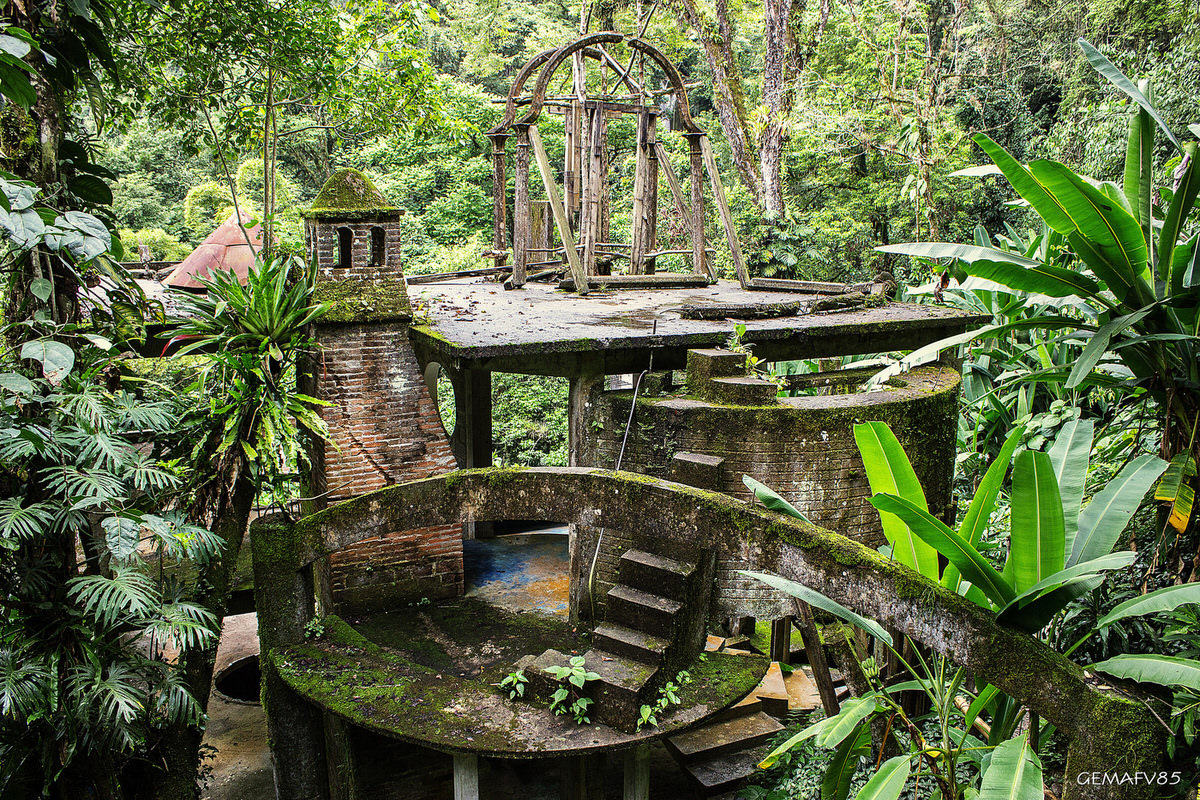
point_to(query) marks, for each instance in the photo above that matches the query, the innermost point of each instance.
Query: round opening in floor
(240, 680)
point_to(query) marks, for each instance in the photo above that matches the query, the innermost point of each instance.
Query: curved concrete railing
(1108, 730)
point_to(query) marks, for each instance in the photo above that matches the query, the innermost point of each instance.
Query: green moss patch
(382, 300)
(350, 194)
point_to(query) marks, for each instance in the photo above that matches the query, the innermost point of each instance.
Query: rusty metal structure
(581, 210)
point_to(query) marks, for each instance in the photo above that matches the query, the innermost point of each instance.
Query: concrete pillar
(283, 598)
(583, 778)
(466, 777)
(580, 453)
(781, 640)
(637, 773)
(472, 437)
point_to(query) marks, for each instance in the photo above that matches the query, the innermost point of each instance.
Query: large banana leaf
(840, 772)
(1099, 344)
(1118, 79)
(1114, 234)
(1013, 774)
(852, 712)
(1175, 487)
(1027, 186)
(1152, 668)
(889, 471)
(815, 598)
(1010, 269)
(888, 782)
(1177, 214)
(970, 563)
(1069, 455)
(979, 512)
(1101, 522)
(1036, 613)
(1156, 602)
(1138, 186)
(1036, 543)
(771, 499)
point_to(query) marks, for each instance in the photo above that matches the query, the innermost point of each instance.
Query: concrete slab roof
(540, 330)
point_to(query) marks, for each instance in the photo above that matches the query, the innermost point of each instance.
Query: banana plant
(1130, 262)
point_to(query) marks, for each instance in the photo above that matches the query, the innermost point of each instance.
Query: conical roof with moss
(349, 194)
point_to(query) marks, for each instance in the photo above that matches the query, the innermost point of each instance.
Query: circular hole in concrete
(240, 681)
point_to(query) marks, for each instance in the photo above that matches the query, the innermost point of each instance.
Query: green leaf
(1107, 69)
(1027, 186)
(973, 566)
(770, 499)
(56, 358)
(1013, 773)
(889, 471)
(836, 783)
(888, 782)
(41, 288)
(16, 383)
(814, 730)
(818, 600)
(1175, 487)
(1037, 538)
(1099, 343)
(121, 535)
(846, 721)
(1046, 279)
(1153, 668)
(1177, 215)
(1101, 522)
(1166, 599)
(1069, 455)
(1114, 234)
(1036, 613)
(979, 512)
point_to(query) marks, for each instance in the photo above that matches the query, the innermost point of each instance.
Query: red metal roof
(225, 249)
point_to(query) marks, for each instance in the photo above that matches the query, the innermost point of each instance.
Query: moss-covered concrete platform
(540, 330)
(426, 675)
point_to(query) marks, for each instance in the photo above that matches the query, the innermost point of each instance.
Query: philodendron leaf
(56, 358)
(815, 598)
(770, 499)
(1153, 668)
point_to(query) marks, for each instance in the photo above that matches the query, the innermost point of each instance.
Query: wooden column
(696, 155)
(556, 208)
(816, 659)
(466, 777)
(499, 201)
(668, 170)
(718, 190)
(583, 778)
(593, 187)
(522, 219)
(650, 191)
(637, 230)
(781, 640)
(637, 773)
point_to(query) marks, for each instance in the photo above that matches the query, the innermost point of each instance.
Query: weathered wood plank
(522, 230)
(696, 158)
(673, 181)
(718, 190)
(556, 208)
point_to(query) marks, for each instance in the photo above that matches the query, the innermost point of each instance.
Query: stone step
(623, 686)
(629, 643)
(642, 611)
(705, 364)
(745, 707)
(656, 574)
(741, 391)
(725, 772)
(772, 691)
(714, 739)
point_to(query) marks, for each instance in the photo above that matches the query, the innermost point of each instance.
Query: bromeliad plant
(1130, 264)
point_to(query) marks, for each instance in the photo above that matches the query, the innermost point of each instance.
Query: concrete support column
(781, 640)
(637, 773)
(466, 777)
(283, 597)
(583, 778)
(472, 437)
(581, 453)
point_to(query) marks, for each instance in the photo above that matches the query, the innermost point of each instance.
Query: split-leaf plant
(1131, 264)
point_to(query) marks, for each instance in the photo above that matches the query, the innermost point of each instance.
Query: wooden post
(540, 224)
(673, 181)
(699, 257)
(781, 640)
(816, 659)
(589, 220)
(637, 226)
(637, 773)
(718, 191)
(466, 777)
(650, 190)
(499, 201)
(522, 230)
(556, 208)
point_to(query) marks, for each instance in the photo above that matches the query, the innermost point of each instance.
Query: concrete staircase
(644, 640)
(719, 376)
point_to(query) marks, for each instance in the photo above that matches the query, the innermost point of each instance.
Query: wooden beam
(522, 221)
(696, 158)
(673, 181)
(499, 200)
(718, 191)
(556, 208)
(435, 277)
(662, 280)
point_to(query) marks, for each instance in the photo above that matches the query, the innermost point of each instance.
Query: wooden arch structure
(580, 212)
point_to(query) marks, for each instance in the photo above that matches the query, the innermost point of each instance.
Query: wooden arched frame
(645, 192)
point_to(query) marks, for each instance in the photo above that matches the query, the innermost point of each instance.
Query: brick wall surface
(803, 448)
(384, 430)
(322, 236)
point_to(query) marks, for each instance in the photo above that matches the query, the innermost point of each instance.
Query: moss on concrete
(351, 301)
(349, 194)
